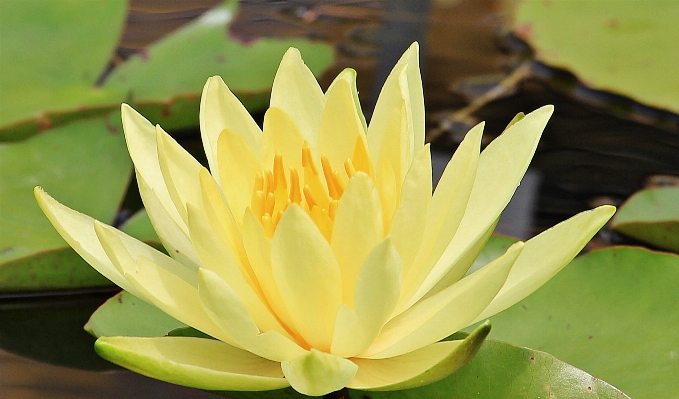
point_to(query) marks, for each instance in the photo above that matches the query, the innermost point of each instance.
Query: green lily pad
(85, 165)
(53, 52)
(496, 246)
(611, 312)
(126, 315)
(165, 82)
(625, 47)
(651, 216)
(139, 226)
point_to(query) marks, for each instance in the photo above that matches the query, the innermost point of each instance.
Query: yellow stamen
(267, 223)
(269, 203)
(327, 172)
(308, 197)
(295, 194)
(333, 209)
(257, 203)
(361, 159)
(340, 184)
(349, 168)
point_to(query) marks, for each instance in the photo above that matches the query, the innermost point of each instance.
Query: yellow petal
(396, 143)
(377, 291)
(219, 110)
(447, 207)
(421, 367)
(238, 169)
(228, 311)
(141, 143)
(389, 192)
(180, 172)
(358, 228)
(157, 282)
(546, 254)
(193, 362)
(501, 167)
(340, 125)
(317, 373)
(349, 75)
(307, 275)
(78, 231)
(296, 91)
(450, 310)
(173, 236)
(281, 135)
(258, 248)
(408, 223)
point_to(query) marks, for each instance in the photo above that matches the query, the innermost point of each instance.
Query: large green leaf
(53, 52)
(85, 165)
(626, 47)
(165, 82)
(613, 313)
(652, 216)
(127, 315)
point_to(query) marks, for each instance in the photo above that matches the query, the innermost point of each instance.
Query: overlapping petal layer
(313, 251)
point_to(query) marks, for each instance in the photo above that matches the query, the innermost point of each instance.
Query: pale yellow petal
(238, 167)
(358, 228)
(501, 167)
(396, 143)
(296, 91)
(307, 275)
(349, 75)
(340, 125)
(78, 231)
(180, 171)
(140, 135)
(450, 310)
(219, 110)
(317, 373)
(420, 367)
(194, 362)
(377, 291)
(411, 58)
(157, 284)
(447, 208)
(389, 192)
(228, 311)
(281, 135)
(173, 236)
(546, 254)
(408, 223)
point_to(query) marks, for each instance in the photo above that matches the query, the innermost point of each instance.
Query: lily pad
(126, 315)
(139, 226)
(86, 166)
(611, 312)
(165, 82)
(53, 53)
(625, 47)
(651, 216)
(496, 246)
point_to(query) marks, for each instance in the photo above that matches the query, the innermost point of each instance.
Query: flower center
(318, 195)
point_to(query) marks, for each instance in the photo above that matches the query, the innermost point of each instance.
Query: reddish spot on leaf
(524, 31)
(120, 298)
(44, 124)
(166, 113)
(532, 359)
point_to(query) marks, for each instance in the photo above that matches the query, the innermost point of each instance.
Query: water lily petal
(377, 291)
(194, 362)
(180, 171)
(396, 143)
(157, 284)
(219, 110)
(78, 231)
(228, 311)
(307, 275)
(173, 236)
(546, 254)
(317, 373)
(420, 367)
(501, 167)
(408, 223)
(238, 169)
(349, 75)
(358, 228)
(447, 208)
(281, 135)
(448, 311)
(296, 91)
(340, 125)
(140, 136)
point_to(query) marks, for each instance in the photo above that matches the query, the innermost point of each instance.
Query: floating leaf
(165, 82)
(651, 216)
(127, 315)
(626, 47)
(494, 248)
(53, 52)
(139, 226)
(611, 312)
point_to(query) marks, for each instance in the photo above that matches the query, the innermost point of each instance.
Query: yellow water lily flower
(313, 250)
